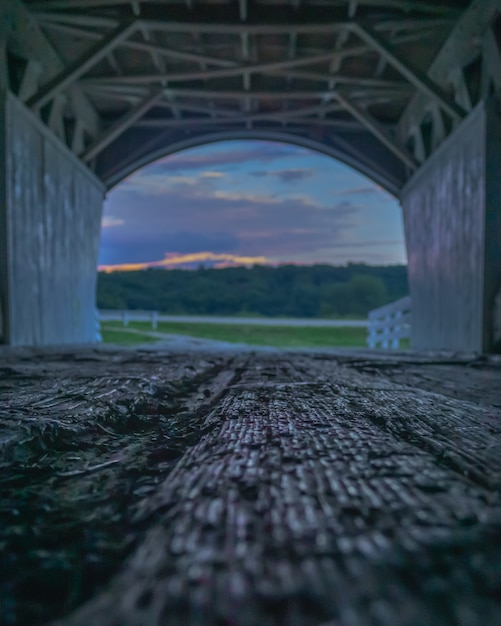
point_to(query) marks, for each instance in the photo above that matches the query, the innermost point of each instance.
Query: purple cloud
(254, 224)
(264, 152)
(359, 191)
(127, 246)
(286, 176)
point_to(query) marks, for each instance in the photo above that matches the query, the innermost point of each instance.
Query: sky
(248, 202)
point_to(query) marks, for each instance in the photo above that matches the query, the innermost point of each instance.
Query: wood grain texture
(267, 488)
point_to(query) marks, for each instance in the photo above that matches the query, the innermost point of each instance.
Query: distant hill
(285, 291)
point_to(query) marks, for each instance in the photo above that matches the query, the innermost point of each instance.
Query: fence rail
(127, 316)
(389, 324)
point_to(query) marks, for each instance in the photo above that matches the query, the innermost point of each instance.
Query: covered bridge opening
(90, 90)
(249, 203)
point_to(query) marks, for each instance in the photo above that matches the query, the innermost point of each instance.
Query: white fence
(130, 316)
(389, 324)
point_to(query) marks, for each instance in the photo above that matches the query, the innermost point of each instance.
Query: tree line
(287, 290)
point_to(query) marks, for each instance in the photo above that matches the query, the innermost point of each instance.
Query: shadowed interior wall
(453, 258)
(50, 213)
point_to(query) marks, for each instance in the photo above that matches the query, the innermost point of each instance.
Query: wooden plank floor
(262, 488)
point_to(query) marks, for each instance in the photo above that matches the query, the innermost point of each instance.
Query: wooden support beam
(82, 65)
(56, 121)
(114, 64)
(438, 126)
(223, 94)
(245, 120)
(131, 98)
(419, 150)
(342, 79)
(279, 115)
(377, 130)
(460, 49)
(242, 7)
(193, 28)
(414, 76)
(77, 141)
(461, 93)
(30, 81)
(263, 28)
(271, 26)
(421, 6)
(121, 125)
(240, 70)
(4, 69)
(431, 7)
(30, 42)
(148, 48)
(492, 58)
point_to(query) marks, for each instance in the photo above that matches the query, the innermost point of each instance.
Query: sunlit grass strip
(278, 336)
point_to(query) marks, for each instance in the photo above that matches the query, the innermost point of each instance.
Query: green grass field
(279, 336)
(119, 335)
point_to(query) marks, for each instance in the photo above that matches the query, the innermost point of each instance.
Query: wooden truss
(96, 69)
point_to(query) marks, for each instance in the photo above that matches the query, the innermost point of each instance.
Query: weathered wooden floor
(257, 489)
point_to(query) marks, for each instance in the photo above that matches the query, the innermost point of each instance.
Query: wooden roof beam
(421, 6)
(240, 70)
(121, 125)
(377, 130)
(32, 44)
(279, 115)
(235, 28)
(72, 73)
(414, 76)
(145, 47)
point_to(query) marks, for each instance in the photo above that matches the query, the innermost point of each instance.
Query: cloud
(192, 202)
(259, 224)
(135, 245)
(173, 259)
(210, 174)
(286, 176)
(247, 197)
(359, 191)
(109, 221)
(257, 151)
(149, 184)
